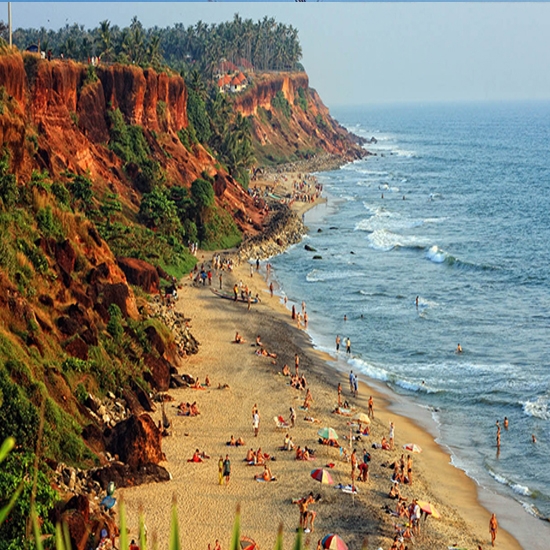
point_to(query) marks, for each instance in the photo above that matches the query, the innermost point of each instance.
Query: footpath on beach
(365, 483)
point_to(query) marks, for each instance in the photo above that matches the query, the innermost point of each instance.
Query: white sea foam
(436, 255)
(385, 240)
(516, 487)
(539, 408)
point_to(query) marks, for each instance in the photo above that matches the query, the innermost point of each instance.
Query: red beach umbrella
(248, 544)
(333, 542)
(412, 447)
(321, 475)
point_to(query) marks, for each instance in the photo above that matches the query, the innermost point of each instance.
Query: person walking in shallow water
(348, 346)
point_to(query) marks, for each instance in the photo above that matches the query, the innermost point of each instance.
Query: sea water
(452, 208)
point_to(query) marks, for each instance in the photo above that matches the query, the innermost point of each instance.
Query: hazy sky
(358, 53)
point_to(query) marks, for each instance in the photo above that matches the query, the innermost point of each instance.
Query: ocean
(452, 208)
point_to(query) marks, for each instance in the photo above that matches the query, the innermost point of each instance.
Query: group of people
(188, 409)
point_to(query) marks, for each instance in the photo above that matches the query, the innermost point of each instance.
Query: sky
(363, 53)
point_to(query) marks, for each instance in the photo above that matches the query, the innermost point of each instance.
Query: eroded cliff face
(57, 120)
(309, 128)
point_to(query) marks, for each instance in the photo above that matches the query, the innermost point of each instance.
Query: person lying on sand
(329, 442)
(264, 353)
(193, 409)
(266, 475)
(184, 409)
(312, 420)
(197, 385)
(235, 442)
(239, 339)
(223, 386)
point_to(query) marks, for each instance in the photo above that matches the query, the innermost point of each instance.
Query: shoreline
(507, 509)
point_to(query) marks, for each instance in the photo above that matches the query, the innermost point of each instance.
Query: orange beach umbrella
(428, 508)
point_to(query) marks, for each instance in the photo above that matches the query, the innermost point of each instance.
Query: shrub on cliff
(158, 211)
(198, 116)
(280, 103)
(129, 143)
(8, 184)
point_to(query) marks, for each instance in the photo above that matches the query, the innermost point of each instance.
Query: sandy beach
(206, 510)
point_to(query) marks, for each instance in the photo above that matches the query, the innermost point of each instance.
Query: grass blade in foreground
(236, 530)
(142, 541)
(174, 528)
(36, 529)
(123, 532)
(279, 542)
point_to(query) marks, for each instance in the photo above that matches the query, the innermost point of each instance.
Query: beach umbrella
(248, 544)
(333, 542)
(322, 475)
(428, 508)
(327, 433)
(412, 447)
(362, 417)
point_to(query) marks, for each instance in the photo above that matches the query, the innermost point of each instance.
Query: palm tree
(104, 40)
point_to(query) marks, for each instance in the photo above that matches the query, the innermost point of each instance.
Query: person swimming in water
(458, 348)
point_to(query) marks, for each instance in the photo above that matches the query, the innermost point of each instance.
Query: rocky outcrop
(140, 273)
(136, 441)
(283, 229)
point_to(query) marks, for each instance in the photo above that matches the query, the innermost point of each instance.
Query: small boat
(231, 296)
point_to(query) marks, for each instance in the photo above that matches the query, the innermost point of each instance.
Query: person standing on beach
(227, 469)
(221, 279)
(339, 394)
(293, 312)
(371, 407)
(493, 528)
(355, 385)
(271, 289)
(392, 435)
(348, 346)
(337, 342)
(296, 363)
(292, 417)
(351, 376)
(236, 291)
(220, 470)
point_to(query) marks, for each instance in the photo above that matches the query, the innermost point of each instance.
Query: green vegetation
(301, 100)
(265, 44)
(280, 103)
(129, 143)
(91, 76)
